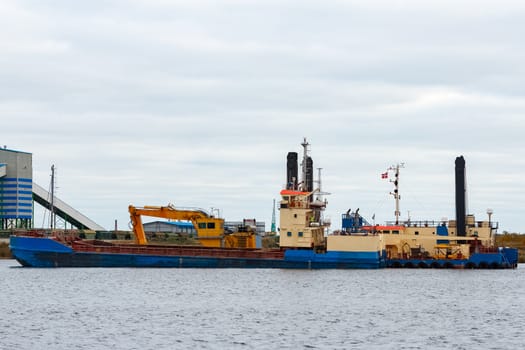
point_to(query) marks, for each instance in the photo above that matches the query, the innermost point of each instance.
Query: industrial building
(16, 189)
(18, 192)
(176, 227)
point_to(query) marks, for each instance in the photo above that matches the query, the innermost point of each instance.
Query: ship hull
(46, 252)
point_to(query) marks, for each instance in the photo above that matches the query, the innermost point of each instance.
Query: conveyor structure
(64, 210)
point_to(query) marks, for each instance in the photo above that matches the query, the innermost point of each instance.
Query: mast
(273, 217)
(320, 193)
(305, 145)
(397, 196)
(52, 201)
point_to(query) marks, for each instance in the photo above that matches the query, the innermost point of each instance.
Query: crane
(210, 230)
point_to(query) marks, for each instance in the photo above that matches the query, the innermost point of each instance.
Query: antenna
(320, 193)
(273, 217)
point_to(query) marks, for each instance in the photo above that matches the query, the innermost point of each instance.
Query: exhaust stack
(291, 171)
(309, 175)
(461, 194)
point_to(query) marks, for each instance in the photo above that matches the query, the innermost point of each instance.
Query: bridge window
(211, 225)
(202, 225)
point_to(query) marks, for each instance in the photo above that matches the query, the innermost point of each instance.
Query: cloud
(197, 103)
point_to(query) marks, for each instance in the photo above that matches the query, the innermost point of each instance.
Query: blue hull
(45, 252)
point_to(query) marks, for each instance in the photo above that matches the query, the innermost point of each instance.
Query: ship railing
(421, 223)
(492, 224)
(30, 233)
(481, 249)
(434, 223)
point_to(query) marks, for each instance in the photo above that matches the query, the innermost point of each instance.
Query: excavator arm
(210, 230)
(138, 228)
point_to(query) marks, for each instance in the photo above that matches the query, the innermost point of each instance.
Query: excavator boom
(210, 230)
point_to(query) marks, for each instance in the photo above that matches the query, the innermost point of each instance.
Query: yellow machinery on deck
(210, 230)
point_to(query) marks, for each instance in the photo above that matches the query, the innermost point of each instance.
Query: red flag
(384, 175)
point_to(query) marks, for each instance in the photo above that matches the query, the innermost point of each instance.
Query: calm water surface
(260, 309)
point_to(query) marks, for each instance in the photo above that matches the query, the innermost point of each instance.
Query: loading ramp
(64, 210)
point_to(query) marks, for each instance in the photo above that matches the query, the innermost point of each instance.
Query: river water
(128, 308)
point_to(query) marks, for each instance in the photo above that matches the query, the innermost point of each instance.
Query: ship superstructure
(435, 243)
(301, 224)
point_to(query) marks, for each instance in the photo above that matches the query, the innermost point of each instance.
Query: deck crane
(210, 230)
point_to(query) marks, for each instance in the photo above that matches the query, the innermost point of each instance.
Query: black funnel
(291, 171)
(461, 191)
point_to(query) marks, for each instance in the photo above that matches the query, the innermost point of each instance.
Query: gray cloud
(197, 103)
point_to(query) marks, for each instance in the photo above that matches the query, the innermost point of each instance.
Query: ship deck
(95, 246)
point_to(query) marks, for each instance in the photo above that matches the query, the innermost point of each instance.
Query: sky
(196, 103)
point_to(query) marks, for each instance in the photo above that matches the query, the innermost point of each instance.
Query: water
(260, 309)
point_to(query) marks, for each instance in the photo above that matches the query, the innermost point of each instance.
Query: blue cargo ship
(303, 242)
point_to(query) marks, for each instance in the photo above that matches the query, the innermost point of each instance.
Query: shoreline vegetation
(512, 240)
(5, 253)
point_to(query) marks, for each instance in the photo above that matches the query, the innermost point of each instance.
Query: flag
(384, 175)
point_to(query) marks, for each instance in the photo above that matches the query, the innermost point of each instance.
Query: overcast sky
(197, 103)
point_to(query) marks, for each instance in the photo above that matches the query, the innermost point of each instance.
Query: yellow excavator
(210, 230)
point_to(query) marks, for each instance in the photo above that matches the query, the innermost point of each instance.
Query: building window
(202, 225)
(416, 233)
(211, 225)
(300, 234)
(289, 234)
